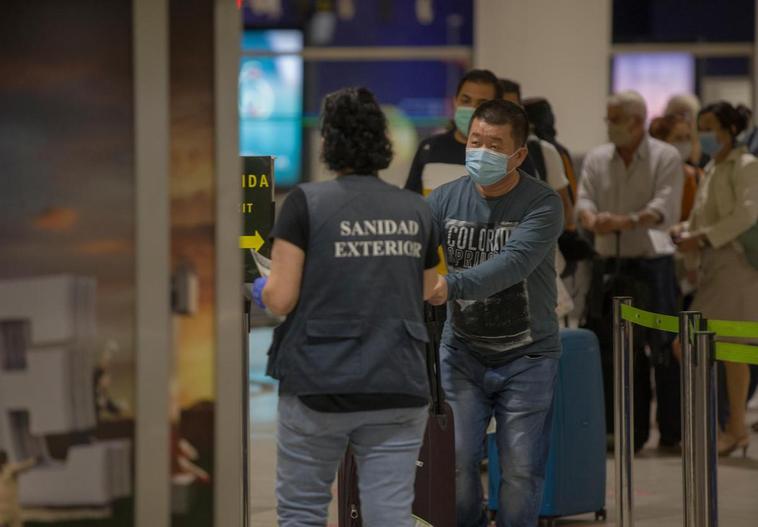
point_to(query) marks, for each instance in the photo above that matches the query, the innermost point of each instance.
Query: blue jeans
(520, 396)
(310, 446)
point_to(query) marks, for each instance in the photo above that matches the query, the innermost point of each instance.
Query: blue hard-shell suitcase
(576, 465)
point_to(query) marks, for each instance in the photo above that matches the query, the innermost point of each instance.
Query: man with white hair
(629, 195)
(685, 105)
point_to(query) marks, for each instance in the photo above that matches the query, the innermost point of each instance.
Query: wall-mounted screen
(271, 100)
(656, 76)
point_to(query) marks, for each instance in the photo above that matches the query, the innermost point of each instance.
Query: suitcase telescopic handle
(433, 361)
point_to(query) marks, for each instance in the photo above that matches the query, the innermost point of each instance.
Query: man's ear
(520, 157)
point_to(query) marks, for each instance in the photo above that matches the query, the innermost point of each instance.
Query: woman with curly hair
(352, 261)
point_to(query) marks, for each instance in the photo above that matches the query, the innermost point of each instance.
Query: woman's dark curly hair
(354, 130)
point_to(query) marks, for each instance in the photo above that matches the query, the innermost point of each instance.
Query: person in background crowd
(500, 346)
(574, 247)
(629, 196)
(440, 158)
(542, 120)
(749, 137)
(544, 161)
(352, 261)
(511, 91)
(726, 206)
(677, 131)
(687, 106)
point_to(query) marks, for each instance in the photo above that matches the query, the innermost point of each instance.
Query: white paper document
(661, 242)
(262, 263)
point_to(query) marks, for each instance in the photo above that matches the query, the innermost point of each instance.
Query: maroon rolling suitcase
(434, 503)
(348, 501)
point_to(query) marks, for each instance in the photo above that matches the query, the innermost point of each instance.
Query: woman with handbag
(717, 249)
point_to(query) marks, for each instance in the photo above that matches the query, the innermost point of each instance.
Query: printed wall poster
(67, 289)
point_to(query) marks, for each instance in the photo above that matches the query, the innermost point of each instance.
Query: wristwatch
(703, 243)
(635, 219)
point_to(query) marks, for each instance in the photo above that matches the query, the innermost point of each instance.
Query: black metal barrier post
(699, 401)
(704, 395)
(623, 357)
(689, 322)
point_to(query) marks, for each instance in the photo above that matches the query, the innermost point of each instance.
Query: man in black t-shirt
(441, 158)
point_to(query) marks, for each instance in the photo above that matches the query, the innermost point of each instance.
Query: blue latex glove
(258, 286)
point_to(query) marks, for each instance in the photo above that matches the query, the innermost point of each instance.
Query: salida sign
(257, 209)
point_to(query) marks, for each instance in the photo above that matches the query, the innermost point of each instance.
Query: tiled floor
(658, 479)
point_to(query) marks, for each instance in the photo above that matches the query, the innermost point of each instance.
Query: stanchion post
(623, 366)
(689, 322)
(246, 458)
(705, 394)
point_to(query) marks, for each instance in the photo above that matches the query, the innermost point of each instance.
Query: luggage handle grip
(433, 364)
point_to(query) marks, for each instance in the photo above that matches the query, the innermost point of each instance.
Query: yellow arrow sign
(252, 242)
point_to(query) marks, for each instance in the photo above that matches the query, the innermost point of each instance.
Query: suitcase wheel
(601, 515)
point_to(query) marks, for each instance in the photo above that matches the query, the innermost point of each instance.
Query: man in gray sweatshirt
(500, 345)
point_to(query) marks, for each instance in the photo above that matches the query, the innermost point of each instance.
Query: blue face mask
(487, 167)
(709, 144)
(462, 118)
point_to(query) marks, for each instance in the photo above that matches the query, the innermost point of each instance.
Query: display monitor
(271, 100)
(656, 76)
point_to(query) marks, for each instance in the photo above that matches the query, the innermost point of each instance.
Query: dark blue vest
(358, 326)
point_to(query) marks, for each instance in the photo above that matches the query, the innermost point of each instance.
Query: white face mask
(684, 148)
(619, 133)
